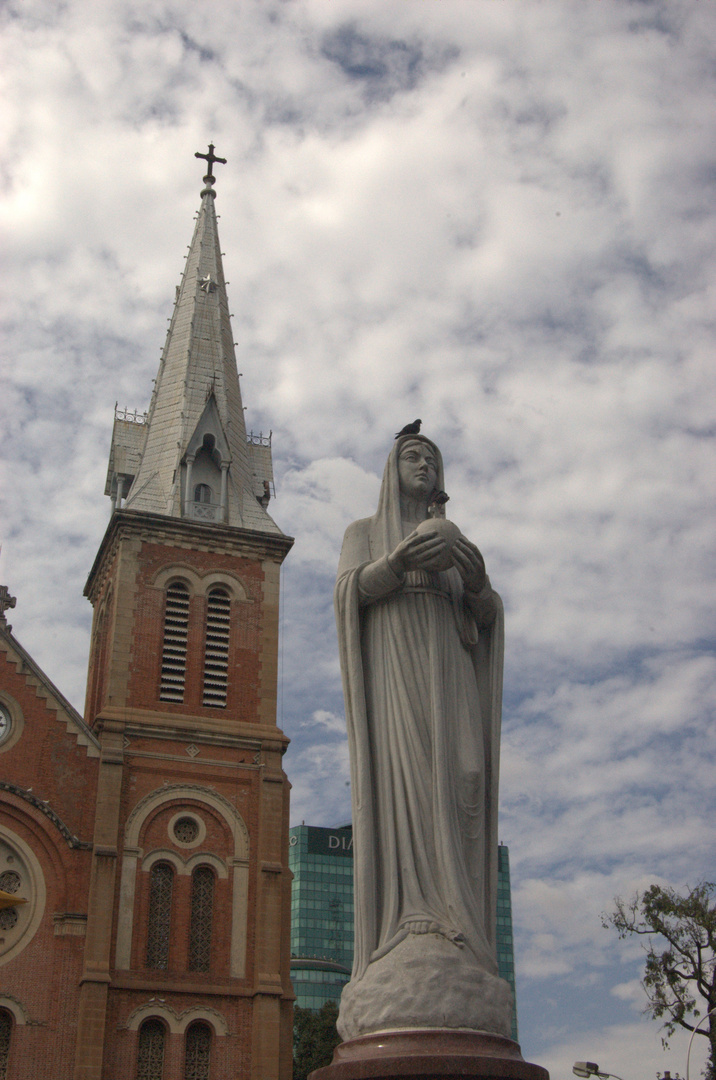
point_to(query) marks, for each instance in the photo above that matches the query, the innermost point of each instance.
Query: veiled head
(417, 468)
(386, 527)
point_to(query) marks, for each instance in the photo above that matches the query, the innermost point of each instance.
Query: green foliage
(680, 969)
(314, 1038)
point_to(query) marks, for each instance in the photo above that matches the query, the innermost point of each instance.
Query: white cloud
(336, 725)
(626, 1050)
(497, 217)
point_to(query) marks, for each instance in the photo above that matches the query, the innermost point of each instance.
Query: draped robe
(421, 659)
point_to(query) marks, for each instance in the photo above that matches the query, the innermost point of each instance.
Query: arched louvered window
(216, 656)
(176, 627)
(202, 905)
(202, 493)
(150, 1059)
(197, 1056)
(161, 886)
(5, 1035)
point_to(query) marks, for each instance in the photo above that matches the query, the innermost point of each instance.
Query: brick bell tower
(186, 964)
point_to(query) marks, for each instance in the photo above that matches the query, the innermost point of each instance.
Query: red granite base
(434, 1054)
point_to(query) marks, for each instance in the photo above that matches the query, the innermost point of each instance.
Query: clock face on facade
(5, 723)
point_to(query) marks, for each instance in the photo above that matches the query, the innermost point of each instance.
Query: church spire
(189, 456)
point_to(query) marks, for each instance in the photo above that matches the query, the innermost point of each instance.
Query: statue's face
(417, 470)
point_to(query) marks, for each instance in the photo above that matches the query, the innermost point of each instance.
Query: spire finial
(211, 158)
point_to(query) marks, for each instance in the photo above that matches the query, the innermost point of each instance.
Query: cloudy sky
(497, 215)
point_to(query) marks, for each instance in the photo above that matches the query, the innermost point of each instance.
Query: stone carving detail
(420, 636)
(205, 511)
(177, 1022)
(207, 284)
(49, 813)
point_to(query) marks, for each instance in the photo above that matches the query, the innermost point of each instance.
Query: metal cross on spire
(211, 158)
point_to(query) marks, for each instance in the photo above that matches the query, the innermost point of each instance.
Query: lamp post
(711, 1012)
(590, 1068)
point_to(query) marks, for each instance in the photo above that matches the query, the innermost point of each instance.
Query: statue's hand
(470, 563)
(419, 551)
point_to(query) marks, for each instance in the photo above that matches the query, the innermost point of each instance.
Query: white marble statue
(421, 655)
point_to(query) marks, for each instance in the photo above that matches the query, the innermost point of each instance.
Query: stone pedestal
(430, 1054)
(425, 982)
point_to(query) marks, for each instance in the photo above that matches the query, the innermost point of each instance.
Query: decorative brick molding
(18, 1010)
(146, 807)
(198, 583)
(49, 813)
(176, 1022)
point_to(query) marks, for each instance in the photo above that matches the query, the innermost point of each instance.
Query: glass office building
(505, 944)
(321, 912)
(322, 915)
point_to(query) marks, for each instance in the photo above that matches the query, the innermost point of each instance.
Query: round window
(8, 918)
(10, 881)
(22, 895)
(186, 830)
(5, 723)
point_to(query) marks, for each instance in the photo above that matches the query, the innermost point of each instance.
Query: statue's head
(414, 469)
(417, 468)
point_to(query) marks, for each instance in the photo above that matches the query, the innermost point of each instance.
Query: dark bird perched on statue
(409, 429)
(437, 506)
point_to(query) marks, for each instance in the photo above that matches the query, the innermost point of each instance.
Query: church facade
(144, 881)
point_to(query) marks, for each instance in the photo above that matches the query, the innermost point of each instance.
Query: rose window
(9, 881)
(186, 830)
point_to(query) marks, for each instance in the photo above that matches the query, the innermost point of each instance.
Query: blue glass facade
(321, 912)
(505, 943)
(322, 915)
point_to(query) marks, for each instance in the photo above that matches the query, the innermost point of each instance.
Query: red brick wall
(48, 758)
(128, 638)
(246, 617)
(230, 1054)
(44, 976)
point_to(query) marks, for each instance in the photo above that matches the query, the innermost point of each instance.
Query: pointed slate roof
(198, 365)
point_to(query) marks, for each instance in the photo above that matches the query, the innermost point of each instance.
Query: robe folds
(421, 660)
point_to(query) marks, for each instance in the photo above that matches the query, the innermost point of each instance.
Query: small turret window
(202, 493)
(176, 627)
(216, 655)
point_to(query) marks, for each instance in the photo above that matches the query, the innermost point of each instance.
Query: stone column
(118, 495)
(188, 497)
(95, 980)
(224, 479)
